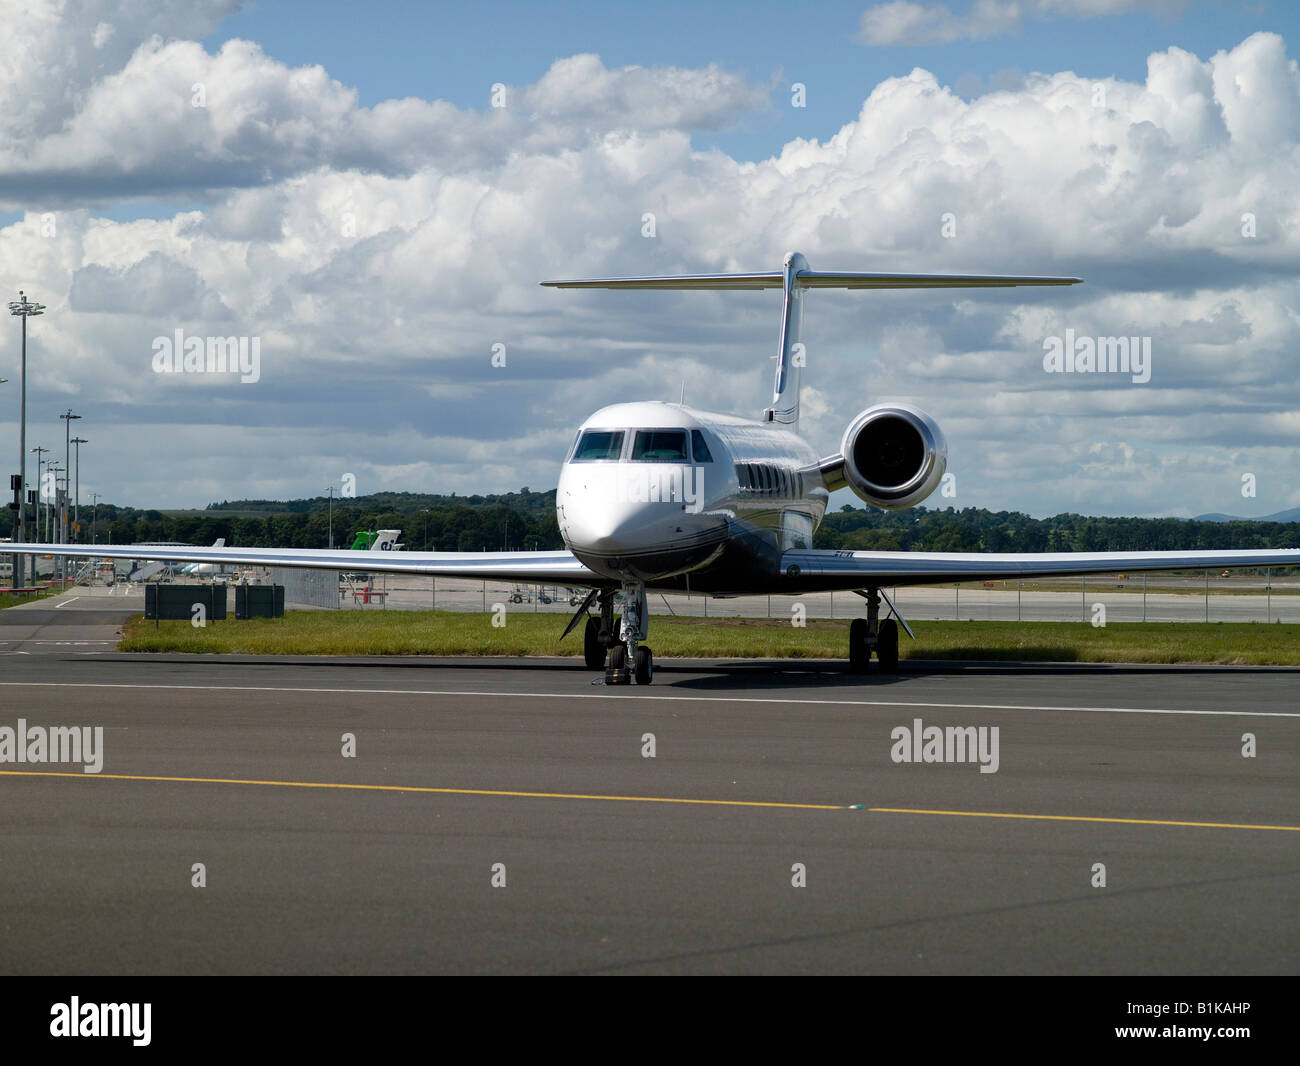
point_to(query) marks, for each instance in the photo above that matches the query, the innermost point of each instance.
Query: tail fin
(793, 279)
(790, 351)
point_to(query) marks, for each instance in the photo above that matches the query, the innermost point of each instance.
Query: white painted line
(654, 699)
(65, 602)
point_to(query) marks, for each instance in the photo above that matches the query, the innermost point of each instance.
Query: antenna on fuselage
(793, 279)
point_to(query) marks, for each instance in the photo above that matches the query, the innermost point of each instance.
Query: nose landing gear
(614, 643)
(629, 659)
(870, 634)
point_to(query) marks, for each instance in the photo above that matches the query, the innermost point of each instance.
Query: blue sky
(379, 244)
(455, 51)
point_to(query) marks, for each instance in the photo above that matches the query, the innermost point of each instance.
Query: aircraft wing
(821, 569)
(549, 568)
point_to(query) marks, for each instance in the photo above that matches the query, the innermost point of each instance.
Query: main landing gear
(615, 643)
(870, 634)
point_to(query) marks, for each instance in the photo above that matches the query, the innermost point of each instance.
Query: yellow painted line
(1082, 818)
(418, 788)
(635, 799)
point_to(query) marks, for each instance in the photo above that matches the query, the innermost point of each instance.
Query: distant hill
(1292, 515)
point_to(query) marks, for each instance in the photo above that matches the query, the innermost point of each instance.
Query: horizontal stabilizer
(677, 281)
(815, 279)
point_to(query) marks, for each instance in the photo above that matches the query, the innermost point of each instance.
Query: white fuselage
(679, 498)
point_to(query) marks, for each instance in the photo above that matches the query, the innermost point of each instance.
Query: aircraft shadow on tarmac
(720, 675)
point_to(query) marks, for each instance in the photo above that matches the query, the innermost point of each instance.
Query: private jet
(657, 496)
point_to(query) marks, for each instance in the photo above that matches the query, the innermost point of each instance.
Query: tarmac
(514, 816)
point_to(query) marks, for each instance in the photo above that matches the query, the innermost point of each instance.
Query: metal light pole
(76, 492)
(94, 517)
(52, 508)
(67, 469)
(56, 510)
(331, 496)
(24, 309)
(40, 493)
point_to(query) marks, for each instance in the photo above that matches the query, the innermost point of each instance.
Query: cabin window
(599, 445)
(659, 446)
(700, 447)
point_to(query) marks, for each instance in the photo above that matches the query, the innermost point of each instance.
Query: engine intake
(892, 456)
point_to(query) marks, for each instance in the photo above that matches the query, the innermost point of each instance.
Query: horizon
(353, 230)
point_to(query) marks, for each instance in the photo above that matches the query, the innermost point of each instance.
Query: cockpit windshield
(596, 444)
(660, 446)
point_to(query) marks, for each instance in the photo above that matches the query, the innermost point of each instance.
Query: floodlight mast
(24, 309)
(67, 473)
(40, 502)
(76, 492)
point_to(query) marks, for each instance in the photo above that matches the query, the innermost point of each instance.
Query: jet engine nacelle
(892, 456)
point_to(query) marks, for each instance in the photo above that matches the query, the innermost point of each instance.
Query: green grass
(455, 633)
(8, 599)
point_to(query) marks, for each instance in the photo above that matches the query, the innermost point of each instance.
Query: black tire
(859, 653)
(612, 637)
(645, 665)
(593, 651)
(887, 646)
(616, 668)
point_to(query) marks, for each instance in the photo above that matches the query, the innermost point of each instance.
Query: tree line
(973, 529)
(526, 520)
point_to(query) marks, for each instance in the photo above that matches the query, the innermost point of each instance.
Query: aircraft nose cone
(604, 528)
(611, 510)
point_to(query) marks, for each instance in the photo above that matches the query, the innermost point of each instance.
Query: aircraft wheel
(645, 665)
(616, 666)
(887, 646)
(859, 653)
(593, 651)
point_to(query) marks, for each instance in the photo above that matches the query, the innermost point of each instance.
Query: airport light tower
(76, 492)
(67, 469)
(40, 493)
(24, 309)
(55, 509)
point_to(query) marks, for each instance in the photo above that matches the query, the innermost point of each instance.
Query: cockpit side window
(659, 446)
(599, 444)
(699, 447)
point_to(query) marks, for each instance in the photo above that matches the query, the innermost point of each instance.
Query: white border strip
(627, 695)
